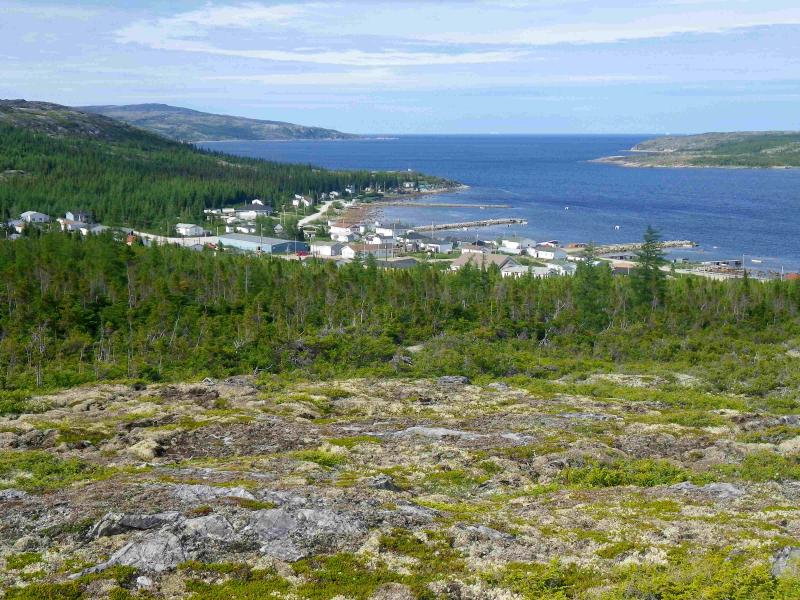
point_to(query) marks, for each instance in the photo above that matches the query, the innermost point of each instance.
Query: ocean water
(548, 180)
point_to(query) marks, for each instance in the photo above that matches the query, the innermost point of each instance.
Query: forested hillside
(75, 310)
(733, 149)
(54, 159)
(193, 126)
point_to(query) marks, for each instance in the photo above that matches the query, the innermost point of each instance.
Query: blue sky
(452, 66)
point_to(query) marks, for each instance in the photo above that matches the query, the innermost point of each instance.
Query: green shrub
(640, 472)
(39, 471)
(764, 466)
(321, 457)
(22, 560)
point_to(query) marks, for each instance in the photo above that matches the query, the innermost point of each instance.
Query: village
(344, 229)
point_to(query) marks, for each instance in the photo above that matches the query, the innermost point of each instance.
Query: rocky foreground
(611, 487)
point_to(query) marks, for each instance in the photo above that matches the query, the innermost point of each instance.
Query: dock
(471, 224)
(612, 248)
(444, 204)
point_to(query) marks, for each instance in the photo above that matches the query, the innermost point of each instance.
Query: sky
(449, 66)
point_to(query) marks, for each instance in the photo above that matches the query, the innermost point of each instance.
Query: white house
(228, 210)
(517, 271)
(334, 194)
(344, 237)
(562, 267)
(70, 225)
(438, 246)
(31, 216)
(342, 228)
(188, 229)
(324, 248)
(376, 250)
(391, 231)
(80, 216)
(547, 252)
(250, 212)
(475, 249)
(516, 246)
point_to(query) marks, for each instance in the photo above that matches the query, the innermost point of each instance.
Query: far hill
(188, 125)
(757, 149)
(54, 158)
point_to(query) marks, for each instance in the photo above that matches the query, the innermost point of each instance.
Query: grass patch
(764, 466)
(352, 442)
(22, 560)
(642, 473)
(341, 575)
(320, 457)
(38, 471)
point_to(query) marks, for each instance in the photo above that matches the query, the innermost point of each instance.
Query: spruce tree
(648, 280)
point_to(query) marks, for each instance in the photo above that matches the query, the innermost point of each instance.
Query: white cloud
(622, 29)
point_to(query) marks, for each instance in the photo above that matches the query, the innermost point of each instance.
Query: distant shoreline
(349, 139)
(624, 161)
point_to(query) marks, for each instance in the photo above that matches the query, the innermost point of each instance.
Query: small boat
(757, 261)
(616, 227)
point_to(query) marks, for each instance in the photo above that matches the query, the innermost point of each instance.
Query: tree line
(148, 182)
(76, 309)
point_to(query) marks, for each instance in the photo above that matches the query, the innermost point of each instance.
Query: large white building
(31, 216)
(188, 229)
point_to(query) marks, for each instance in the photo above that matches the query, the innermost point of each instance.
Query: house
(188, 229)
(31, 216)
(516, 246)
(482, 261)
(562, 267)
(343, 228)
(547, 252)
(334, 194)
(438, 246)
(244, 228)
(257, 243)
(344, 238)
(323, 248)
(250, 212)
(398, 263)
(17, 225)
(517, 271)
(89, 228)
(391, 231)
(70, 225)
(79, 216)
(301, 201)
(475, 249)
(408, 185)
(376, 250)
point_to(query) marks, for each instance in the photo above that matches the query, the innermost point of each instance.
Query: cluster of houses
(76, 220)
(235, 219)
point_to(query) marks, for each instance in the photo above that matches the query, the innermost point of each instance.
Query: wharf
(470, 224)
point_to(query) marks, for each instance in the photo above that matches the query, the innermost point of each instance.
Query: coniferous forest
(75, 310)
(144, 181)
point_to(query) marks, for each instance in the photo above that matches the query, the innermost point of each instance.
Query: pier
(611, 248)
(444, 204)
(471, 224)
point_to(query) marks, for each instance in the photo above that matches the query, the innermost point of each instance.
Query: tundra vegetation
(176, 424)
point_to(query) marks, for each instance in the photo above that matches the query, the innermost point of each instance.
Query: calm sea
(549, 181)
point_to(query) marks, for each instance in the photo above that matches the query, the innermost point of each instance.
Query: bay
(550, 181)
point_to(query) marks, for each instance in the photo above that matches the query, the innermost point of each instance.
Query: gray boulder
(213, 527)
(293, 534)
(786, 560)
(116, 523)
(204, 493)
(12, 495)
(154, 553)
(719, 491)
(453, 380)
(383, 482)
